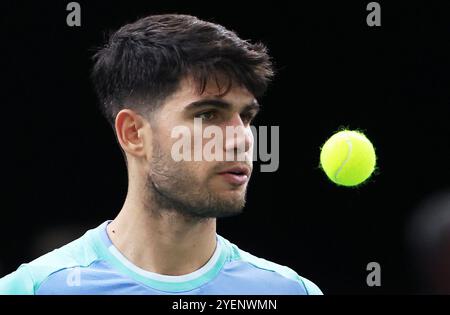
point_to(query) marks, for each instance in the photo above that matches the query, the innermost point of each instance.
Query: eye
(209, 115)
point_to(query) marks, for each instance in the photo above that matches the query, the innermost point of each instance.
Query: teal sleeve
(311, 287)
(18, 282)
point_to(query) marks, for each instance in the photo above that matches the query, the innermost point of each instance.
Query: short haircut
(143, 62)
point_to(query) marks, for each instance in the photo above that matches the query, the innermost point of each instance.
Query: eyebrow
(220, 103)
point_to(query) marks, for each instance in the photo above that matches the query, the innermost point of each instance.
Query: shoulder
(29, 276)
(280, 274)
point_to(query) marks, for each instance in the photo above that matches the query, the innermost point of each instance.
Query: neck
(162, 240)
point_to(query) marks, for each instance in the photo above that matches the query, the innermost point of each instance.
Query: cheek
(165, 138)
(199, 169)
(198, 173)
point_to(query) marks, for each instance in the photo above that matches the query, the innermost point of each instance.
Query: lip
(237, 175)
(243, 170)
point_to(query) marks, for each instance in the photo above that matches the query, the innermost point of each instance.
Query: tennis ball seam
(349, 152)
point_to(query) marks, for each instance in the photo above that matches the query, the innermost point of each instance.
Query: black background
(62, 167)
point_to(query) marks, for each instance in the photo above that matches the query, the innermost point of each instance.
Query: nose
(238, 136)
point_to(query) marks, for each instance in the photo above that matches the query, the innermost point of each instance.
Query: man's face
(205, 188)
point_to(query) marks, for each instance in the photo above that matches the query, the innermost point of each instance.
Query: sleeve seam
(29, 273)
(304, 285)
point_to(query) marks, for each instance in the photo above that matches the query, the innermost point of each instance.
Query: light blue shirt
(93, 265)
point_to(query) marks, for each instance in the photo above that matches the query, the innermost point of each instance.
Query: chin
(236, 194)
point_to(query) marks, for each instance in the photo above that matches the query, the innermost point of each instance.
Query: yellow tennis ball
(348, 158)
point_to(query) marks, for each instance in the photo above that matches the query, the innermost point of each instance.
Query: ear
(130, 132)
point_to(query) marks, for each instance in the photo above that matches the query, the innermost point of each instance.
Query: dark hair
(143, 63)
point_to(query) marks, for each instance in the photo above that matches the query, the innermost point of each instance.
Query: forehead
(188, 92)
